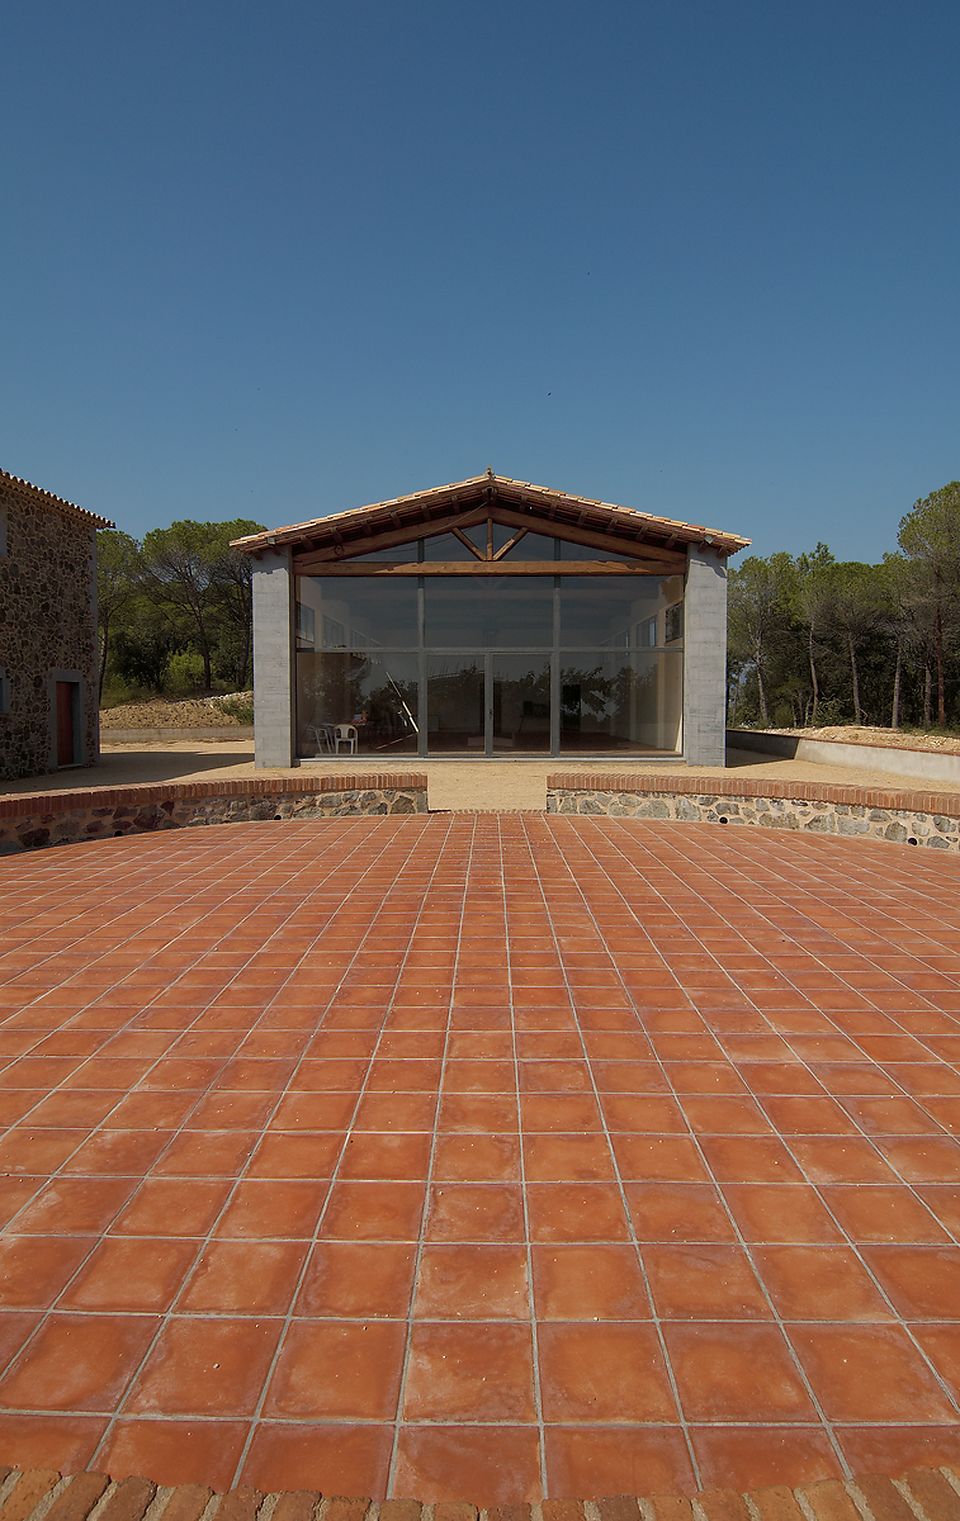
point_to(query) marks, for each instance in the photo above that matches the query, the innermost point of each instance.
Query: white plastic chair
(345, 734)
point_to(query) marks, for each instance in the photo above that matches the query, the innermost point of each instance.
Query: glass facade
(485, 664)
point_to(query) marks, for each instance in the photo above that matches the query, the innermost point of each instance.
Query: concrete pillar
(273, 659)
(705, 658)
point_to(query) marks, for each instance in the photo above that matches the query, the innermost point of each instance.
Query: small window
(306, 627)
(4, 693)
(673, 623)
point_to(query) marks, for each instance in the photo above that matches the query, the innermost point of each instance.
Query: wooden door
(66, 743)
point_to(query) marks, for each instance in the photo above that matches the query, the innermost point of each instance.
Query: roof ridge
(20, 481)
(331, 521)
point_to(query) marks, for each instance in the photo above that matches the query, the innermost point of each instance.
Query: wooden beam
(389, 539)
(477, 554)
(393, 570)
(502, 553)
(672, 560)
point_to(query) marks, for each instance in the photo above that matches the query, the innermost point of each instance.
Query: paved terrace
(480, 1157)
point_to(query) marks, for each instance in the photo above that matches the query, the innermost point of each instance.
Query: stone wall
(30, 821)
(48, 624)
(905, 818)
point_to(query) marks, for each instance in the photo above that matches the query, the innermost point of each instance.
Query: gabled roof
(27, 491)
(560, 506)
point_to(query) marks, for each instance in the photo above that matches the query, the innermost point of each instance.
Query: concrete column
(705, 658)
(273, 659)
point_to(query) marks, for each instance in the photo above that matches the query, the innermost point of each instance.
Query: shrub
(183, 676)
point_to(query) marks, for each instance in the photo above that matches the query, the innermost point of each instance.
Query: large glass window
(455, 702)
(480, 663)
(492, 612)
(612, 701)
(353, 702)
(353, 612)
(624, 612)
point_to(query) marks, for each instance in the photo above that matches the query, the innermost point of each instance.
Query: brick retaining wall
(903, 816)
(41, 1494)
(29, 821)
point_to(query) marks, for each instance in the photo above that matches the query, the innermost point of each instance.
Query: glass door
(456, 704)
(518, 703)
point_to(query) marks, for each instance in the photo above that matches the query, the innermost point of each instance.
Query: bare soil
(159, 713)
(895, 739)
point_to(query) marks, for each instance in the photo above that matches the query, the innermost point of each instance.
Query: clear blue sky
(273, 260)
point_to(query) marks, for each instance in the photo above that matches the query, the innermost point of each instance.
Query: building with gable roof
(48, 630)
(489, 617)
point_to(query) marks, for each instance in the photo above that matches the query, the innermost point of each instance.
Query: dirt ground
(191, 713)
(503, 784)
(895, 739)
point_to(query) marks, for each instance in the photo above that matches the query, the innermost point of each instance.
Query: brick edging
(892, 798)
(43, 1494)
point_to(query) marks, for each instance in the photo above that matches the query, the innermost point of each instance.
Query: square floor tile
(704, 1282)
(206, 1367)
(869, 1373)
(248, 1277)
(611, 1371)
(131, 1274)
(338, 1370)
(495, 1465)
(348, 1279)
(78, 1362)
(594, 1282)
(469, 1372)
(736, 1373)
(470, 1282)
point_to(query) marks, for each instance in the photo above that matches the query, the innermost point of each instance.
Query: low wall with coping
(902, 817)
(921, 765)
(29, 821)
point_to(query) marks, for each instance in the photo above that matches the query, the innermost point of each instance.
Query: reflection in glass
(615, 610)
(374, 694)
(455, 702)
(351, 609)
(613, 701)
(521, 702)
(490, 611)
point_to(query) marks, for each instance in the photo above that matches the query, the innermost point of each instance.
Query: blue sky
(273, 260)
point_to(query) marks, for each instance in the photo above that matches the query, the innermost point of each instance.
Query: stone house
(48, 631)
(486, 617)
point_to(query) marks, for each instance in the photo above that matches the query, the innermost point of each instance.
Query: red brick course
(933, 1494)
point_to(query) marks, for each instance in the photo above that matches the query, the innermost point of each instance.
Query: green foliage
(183, 675)
(175, 612)
(816, 641)
(240, 708)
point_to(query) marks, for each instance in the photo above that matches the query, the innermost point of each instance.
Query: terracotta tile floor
(480, 1156)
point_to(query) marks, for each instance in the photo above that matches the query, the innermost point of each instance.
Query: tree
(856, 612)
(233, 578)
(203, 583)
(930, 538)
(758, 612)
(119, 575)
(814, 598)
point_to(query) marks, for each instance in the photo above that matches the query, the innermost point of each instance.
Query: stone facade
(898, 825)
(47, 626)
(30, 822)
